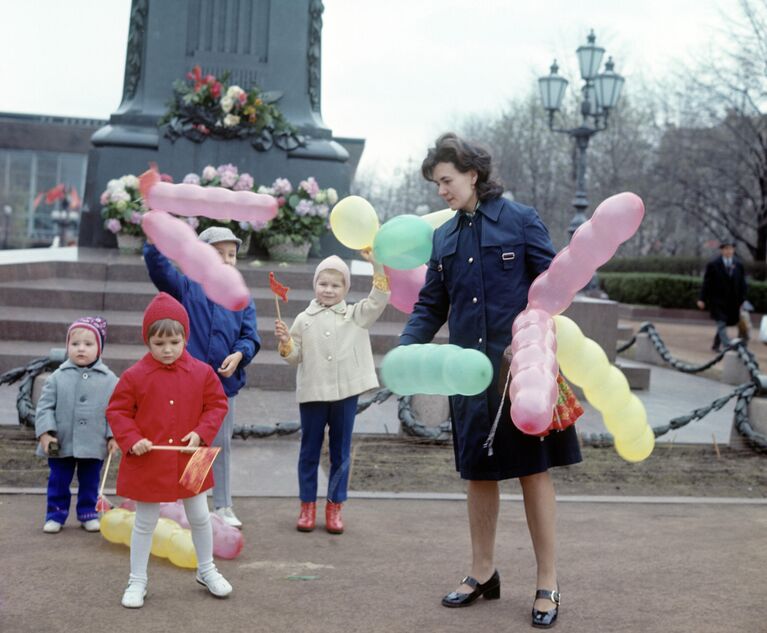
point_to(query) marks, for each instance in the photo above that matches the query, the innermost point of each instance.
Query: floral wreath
(207, 106)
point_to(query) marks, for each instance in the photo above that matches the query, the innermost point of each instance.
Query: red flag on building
(57, 193)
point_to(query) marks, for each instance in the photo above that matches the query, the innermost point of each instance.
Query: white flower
(321, 197)
(119, 196)
(121, 205)
(332, 196)
(209, 173)
(115, 185)
(230, 120)
(267, 190)
(130, 181)
(227, 103)
(234, 92)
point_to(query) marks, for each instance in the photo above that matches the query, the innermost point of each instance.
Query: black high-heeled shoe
(545, 619)
(490, 590)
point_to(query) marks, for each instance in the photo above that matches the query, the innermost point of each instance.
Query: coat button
(170, 441)
(327, 333)
(85, 376)
(471, 260)
(83, 398)
(480, 339)
(171, 401)
(81, 421)
(474, 300)
(330, 358)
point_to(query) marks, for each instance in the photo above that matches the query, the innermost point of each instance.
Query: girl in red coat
(168, 398)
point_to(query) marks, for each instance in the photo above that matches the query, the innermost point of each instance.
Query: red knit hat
(163, 306)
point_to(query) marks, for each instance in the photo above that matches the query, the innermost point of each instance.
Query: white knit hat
(334, 262)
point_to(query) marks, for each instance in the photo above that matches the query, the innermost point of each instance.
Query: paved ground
(661, 568)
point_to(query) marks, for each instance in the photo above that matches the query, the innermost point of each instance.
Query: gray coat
(73, 405)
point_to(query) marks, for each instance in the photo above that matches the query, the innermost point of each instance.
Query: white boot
(52, 527)
(215, 582)
(229, 517)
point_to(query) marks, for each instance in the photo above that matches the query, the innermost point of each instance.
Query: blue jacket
(215, 331)
(478, 277)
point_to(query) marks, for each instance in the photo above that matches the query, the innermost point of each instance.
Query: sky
(396, 73)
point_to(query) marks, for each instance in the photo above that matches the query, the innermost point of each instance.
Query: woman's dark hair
(450, 148)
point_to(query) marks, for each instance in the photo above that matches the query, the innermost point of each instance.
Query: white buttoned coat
(331, 348)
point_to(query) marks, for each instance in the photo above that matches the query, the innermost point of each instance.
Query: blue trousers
(59, 480)
(339, 417)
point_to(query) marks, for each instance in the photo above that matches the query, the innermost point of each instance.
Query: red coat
(163, 403)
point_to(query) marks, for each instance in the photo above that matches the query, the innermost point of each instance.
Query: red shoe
(333, 523)
(307, 520)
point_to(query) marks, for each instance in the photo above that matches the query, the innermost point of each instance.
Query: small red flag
(197, 469)
(38, 200)
(277, 288)
(74, 199)
(57, 193)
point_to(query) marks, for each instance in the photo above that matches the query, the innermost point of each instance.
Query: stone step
(100, 296)
(637, 375)
(267, 371)
(124, 327)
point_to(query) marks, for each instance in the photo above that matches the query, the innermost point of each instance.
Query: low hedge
(688, 266)
(667, 291)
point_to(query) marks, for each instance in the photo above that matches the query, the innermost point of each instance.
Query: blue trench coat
(477, 279)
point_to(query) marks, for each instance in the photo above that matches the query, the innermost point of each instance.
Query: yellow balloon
(611, 393)
(636, 450)
(354, 222)
(629, 422)
(163, 533)
(181, 550)
(126, 528)
(438, 218)
(569, 338)
(587, 367)
(111, 522)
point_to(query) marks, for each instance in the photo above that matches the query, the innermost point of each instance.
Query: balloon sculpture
(177, 240)
(172, 539)
(585, 364)
(404, 242)
(533, 391)
(436, 369)
(613, 222)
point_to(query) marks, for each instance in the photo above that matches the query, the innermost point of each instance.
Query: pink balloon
(227, 540)
(531, 315)
(534, 334)
(175, 239)
(619, 217)
(548, 295)
(570, 272)
(534, 356)
(530, 378)
(530, 413)
(590, 248)
(405, 286)
(211, 202)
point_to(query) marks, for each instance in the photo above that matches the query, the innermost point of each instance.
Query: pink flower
(113, 224)
(193, 222)
(135, 218)
(228, 179)
(166, 178)
(281, 201)
(310, 186)
(305, 207)
(282, 187)
(104, 199)
(191, 179)
(244, 183)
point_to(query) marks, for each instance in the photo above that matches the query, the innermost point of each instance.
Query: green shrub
(688, 266)
(667, 291)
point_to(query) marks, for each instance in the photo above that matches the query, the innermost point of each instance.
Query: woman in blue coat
(483, 262)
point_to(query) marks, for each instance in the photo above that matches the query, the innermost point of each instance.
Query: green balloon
(395, 369)
(471, 372)
(429, 360)
(403, 243)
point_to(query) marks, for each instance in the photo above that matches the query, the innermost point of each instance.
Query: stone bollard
(646, 352)
(734, 372)
(429, 410)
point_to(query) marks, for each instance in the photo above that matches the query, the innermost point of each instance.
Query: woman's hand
(141, 447)
(281, 331)
(112, 446)
(194, 441)
(230, 364)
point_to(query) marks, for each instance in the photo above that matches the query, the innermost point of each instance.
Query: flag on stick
(197, 469)
(102, 503)
(279, 291)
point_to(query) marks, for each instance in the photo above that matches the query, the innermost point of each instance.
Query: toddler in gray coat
(71, 426)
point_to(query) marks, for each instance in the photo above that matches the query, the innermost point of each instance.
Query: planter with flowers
(208, 106)
(122, 209)
(302, 217)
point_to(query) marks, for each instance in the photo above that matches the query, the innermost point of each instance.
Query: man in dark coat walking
(723, 292)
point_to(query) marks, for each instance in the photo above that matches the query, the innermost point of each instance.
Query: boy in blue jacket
(224, 339)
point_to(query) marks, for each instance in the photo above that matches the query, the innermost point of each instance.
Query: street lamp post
(601, 92)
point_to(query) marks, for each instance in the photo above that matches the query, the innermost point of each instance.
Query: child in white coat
(330, 344)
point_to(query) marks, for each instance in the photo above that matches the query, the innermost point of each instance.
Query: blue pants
(59, 497)
(339, 416)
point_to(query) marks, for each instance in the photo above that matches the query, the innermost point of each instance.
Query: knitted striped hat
(95, 324)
